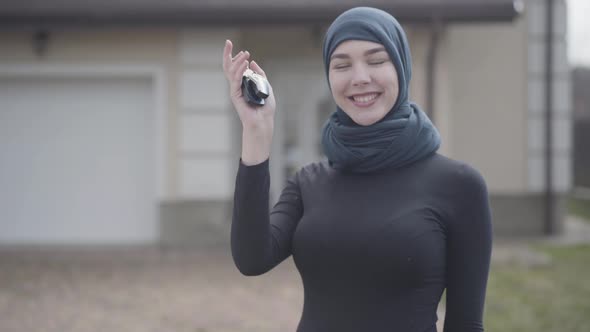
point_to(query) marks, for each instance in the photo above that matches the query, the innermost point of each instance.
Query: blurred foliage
(552, 297)
(579, 207)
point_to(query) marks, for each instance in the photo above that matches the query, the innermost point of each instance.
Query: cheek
(394, 89)
(388, 79)
(337, 83)
(391, 86)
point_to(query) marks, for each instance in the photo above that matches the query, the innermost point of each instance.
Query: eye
(341, 66)
(377, 62)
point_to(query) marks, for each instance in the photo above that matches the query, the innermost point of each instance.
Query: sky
(579, 32)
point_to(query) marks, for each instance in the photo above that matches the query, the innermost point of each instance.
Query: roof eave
(504, 12)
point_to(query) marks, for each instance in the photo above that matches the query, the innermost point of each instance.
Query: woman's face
(363, 80)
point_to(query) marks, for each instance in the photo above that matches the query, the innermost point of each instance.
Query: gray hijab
(405, 134)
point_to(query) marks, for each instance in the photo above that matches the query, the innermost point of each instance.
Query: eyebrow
(367, 52)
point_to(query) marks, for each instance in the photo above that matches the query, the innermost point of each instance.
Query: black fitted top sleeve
(375, 252)
(469, 245)
(261, 240)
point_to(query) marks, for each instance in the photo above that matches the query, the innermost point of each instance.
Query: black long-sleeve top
(375, 251)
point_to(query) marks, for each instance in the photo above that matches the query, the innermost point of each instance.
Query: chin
(365, 118)
(362, 121)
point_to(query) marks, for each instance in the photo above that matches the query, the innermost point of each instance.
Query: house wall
(488, 98)
(126, 49)
(197, 181)
(420, 40)
(484, 109)
(208, 149)
(498, 111)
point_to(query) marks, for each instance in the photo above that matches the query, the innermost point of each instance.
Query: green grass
(579, 207)
(549, 298)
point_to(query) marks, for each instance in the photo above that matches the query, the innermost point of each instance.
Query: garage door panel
(76, 161)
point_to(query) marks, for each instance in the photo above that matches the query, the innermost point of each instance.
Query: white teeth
(365, 98)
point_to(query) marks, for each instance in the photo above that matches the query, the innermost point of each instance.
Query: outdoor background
(118, 262)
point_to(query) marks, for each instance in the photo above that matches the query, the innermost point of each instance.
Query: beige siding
(480, 90)
(292, 59)
(419, 38)
(488, 89)
(115, 47)
(206, 151)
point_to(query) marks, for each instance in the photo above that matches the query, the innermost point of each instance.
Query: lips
(364, 99)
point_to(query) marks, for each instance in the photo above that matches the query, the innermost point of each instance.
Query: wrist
(256, 147)
(250, 157)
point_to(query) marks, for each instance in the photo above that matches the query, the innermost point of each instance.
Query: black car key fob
(255, 87)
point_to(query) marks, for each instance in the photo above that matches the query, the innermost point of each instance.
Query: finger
(236, 80)
(243, 55)
(227, 57)
(229, 63)
(240, 69)
(255, 67)
(238, 62)
(237, 55)
(230, 72)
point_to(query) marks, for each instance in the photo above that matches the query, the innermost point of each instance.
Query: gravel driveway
(157, 290)
(148, 289)
(143, 289)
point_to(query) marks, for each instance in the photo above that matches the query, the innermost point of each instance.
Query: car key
(255, 87)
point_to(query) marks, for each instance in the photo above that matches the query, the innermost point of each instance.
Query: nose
(360, 76)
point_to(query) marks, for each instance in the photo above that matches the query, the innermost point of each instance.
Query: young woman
(383, 227)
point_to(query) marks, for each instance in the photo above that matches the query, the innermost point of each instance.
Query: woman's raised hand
(257, 121)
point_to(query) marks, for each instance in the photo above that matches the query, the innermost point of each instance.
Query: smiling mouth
(364, 99)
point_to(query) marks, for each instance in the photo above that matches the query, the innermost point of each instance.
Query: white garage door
(76, 161)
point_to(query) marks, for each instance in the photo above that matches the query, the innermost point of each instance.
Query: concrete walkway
(576, 231)
(149, 289)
